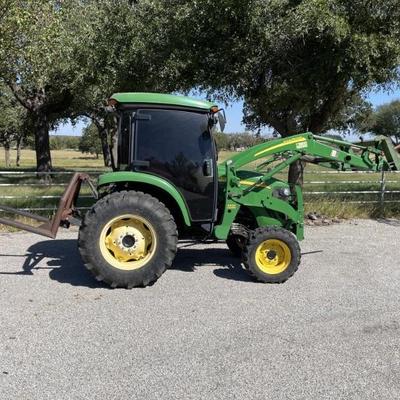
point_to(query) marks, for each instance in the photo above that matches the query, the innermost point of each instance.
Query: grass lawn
(62, 159)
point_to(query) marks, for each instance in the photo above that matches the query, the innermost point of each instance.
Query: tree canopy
(385, 120)
(37, 63)
(62, 59)
(299, 65)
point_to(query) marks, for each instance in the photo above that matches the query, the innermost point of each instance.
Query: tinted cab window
(178, 146)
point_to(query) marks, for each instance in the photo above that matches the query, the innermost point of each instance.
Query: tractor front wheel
(272, 254)
(128, 239)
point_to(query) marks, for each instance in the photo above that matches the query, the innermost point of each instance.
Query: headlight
(282, 193)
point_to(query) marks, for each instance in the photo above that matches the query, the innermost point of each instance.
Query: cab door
(177, 145)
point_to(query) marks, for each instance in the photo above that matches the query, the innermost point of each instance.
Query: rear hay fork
(64, 215)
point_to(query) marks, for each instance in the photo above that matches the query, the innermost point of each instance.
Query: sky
(234, 114)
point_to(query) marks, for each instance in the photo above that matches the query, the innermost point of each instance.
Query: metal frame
(65, 211)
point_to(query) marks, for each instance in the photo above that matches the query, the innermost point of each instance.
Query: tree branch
(17, 92)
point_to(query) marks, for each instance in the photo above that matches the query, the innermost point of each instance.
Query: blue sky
(234, 114)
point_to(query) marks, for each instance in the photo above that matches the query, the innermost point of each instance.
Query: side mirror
(109, 109)
(221, 119)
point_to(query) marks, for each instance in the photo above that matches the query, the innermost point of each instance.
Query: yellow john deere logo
(251, 183)
(286, 142)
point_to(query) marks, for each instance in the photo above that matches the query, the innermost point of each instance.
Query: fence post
(382, 194)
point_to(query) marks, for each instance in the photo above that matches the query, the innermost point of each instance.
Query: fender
(141, 177)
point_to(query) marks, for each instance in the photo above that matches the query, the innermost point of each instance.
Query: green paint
(140, 177)
(163, 99)
(256, 190)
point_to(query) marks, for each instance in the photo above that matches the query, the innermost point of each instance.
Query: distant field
(62, 159)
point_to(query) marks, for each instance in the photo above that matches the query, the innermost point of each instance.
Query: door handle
(140, 163)
(208, 167)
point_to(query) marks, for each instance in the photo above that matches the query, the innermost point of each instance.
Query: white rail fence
(379, 195)
(45, 184)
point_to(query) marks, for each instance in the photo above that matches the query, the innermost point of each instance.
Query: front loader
(167, 185)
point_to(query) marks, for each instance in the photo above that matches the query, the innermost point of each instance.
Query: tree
(62, 59)
(90, 141)
(35, 63)
(353, 117)
(118, 60)
(385, 120)
(12, 123)
(297, 64)
(113, 35)
(50, 57)
(61, 142)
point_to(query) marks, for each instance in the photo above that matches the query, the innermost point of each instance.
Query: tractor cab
(171, 137)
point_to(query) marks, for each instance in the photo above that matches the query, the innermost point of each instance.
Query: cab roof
(161, 99)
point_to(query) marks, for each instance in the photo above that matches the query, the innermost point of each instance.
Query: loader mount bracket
(65, 210)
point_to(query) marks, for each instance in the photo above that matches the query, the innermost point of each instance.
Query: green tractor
(167, 185)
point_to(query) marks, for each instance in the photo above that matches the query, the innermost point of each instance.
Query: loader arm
(257, 193)
(376, 155)
(336, 154)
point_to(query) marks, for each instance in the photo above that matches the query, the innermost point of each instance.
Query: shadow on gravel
(392, 222)
(65, 265)
(188, 259)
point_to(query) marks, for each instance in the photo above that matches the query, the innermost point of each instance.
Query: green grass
(62, 159)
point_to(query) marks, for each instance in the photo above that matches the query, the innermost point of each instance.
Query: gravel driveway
(205, 330)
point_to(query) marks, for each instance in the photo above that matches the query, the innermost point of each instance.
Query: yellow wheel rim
(273, 256)
(128, 242)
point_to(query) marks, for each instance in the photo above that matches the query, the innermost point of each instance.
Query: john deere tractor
(167, 185)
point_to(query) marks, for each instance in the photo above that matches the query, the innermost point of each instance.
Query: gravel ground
(205, 330)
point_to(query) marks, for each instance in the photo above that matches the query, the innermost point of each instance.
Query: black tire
(236, 244)
(280, 235)
(119, 204)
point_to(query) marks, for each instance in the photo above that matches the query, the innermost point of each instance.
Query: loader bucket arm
(65, 210)
(390, 152)
(336, 154)
(277, 155)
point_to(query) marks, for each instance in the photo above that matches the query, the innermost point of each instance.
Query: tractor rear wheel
(128, 239)
(272, 254)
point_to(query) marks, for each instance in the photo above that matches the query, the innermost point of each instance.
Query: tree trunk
(114, 142)
(296, 173)
(106, 148)
(7, 153)
(103, 133)
(103, 130)
(286, 128)
(42, 145)
(19, 147)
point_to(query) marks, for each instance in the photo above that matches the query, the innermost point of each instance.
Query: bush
(236, 141)
(90, 141)
(64, 142)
